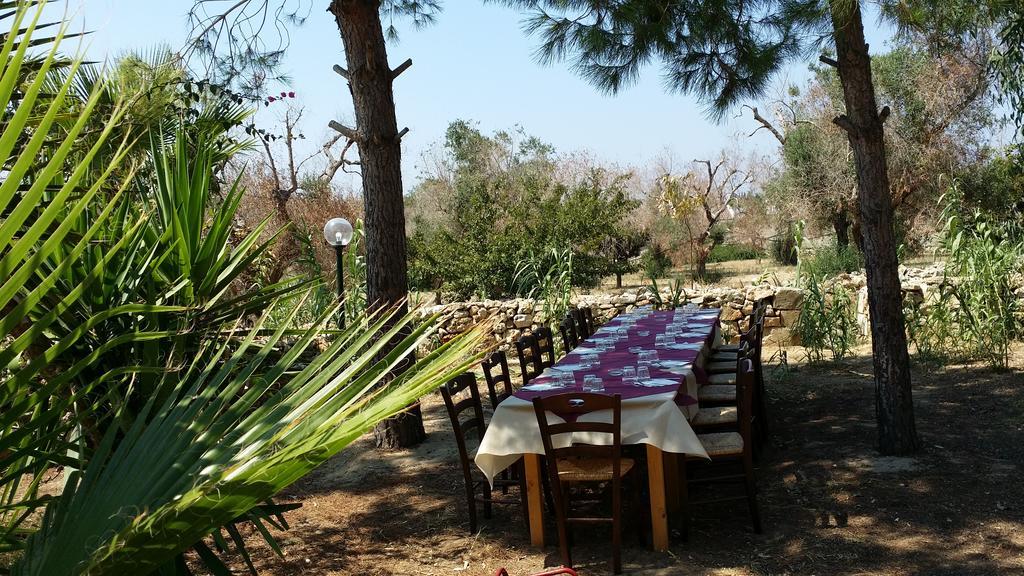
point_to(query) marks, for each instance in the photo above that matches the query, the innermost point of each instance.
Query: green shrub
(976, 315)
(547, 277)
(655, 261)
(827, 320)
(676, 296)
(730, 252)
(831, 261)
(784, 246)
(934, 329)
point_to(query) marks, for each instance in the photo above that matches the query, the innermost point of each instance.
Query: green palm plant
(170, 411)
(40, 200)
(236, 428)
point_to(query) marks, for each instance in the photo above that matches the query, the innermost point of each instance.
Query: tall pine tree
(234, 41)
(726, 51)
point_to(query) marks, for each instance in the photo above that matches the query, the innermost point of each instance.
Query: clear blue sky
(475, 63)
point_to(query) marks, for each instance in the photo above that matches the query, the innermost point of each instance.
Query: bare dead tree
(700, 201)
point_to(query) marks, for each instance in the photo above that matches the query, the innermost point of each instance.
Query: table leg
(672, 482)
(534, 498)
(659, 515)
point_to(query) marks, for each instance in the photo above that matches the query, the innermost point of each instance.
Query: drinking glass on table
(592, 383)
(643, 373)
(566, 379)
(629, 375)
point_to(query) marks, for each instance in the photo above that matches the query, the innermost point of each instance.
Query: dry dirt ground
(831, 505)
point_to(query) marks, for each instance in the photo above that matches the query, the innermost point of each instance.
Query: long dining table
(673, 345)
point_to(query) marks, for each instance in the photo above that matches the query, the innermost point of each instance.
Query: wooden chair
(721, 387)
(588, 318)
(567, 327)
(582, 330)
(529, 357)
(496, 374)
(462, 400)
(579, 463)
(727, 449)
(728, 351)
(721, 368)
(545, 346)
(718, 399)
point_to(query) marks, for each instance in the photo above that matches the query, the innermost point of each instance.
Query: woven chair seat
(720, 367)
(722, 443)
(590, 469)
(715, 416)
(723, 378)
(717, 393)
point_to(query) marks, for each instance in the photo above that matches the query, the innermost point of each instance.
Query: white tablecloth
(655, 419)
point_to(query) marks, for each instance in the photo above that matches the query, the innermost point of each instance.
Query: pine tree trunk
(863, 123)
(618, 279)
(380, 159)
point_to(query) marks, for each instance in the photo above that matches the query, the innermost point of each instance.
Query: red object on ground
(552, 572)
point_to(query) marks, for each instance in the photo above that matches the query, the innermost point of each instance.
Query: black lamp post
(338, 233)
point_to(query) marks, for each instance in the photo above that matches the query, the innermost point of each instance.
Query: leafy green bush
(676, 296)
(831, 261)
(730, 252)
(827, 320)
(977, 315)
(784, 246)
(504, 199)
(547, 277)
(934, 329)
(655, 261)
(136, 363)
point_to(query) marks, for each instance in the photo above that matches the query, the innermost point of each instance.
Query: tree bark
(841, 225)
(380, 161)
(863, 124)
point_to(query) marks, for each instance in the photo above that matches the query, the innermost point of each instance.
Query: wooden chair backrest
(496, 374)
(588, 319)
(581, 323)
(745, 383)
(528, 353)
(462, 401)
(545, 347)
(567, 328)
(572, 406)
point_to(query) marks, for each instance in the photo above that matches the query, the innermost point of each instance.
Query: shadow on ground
(831, 504)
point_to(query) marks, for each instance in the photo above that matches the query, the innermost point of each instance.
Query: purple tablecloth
(696, 328)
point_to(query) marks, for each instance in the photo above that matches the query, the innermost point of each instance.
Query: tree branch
(766, 125)
(401, 68)
(843, 121)
(349, 133)
(342, 72)
(826, 60)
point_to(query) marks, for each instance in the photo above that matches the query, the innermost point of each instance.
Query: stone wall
(509, 319)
